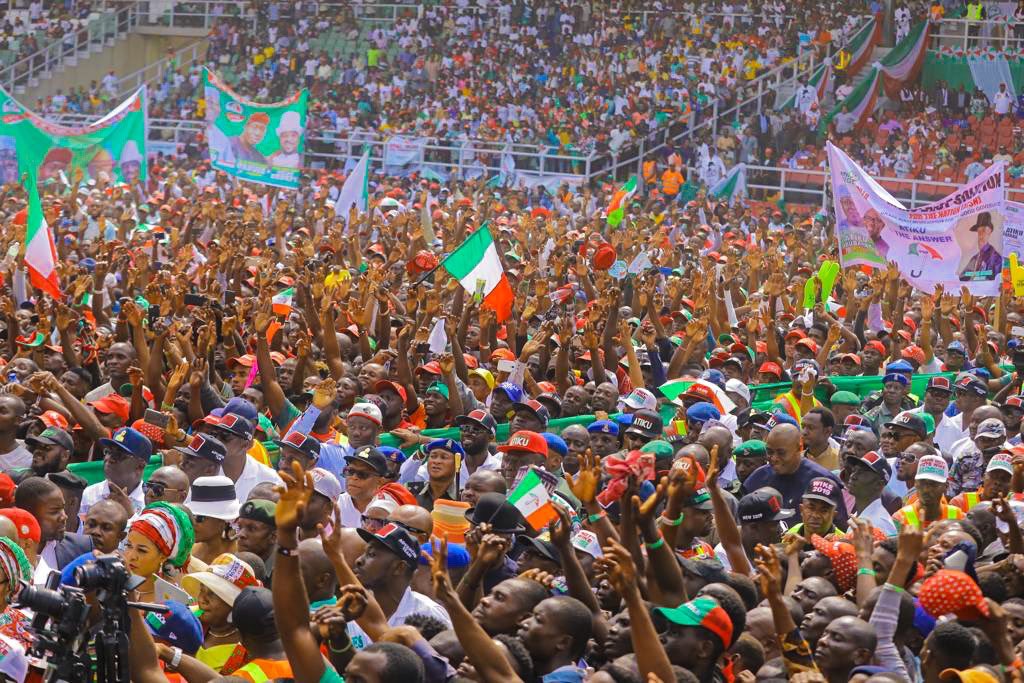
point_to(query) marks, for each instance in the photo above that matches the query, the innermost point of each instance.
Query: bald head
(414, 517)
(717, 436)
(783, 447)
(317, 570)
(697, 452)
(846, 642)
(481, 482)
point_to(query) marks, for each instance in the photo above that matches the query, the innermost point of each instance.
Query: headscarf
(14, 563)
(170, 530)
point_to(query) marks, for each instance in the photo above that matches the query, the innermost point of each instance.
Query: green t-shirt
(331, 676)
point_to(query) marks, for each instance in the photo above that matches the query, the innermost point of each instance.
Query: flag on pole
(533, 501)
(40, 251)
(354, 192)
(282, 301)
(617, 207)
(732, 186)
(475, 263)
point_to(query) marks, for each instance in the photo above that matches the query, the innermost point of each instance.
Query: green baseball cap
(754, 448)
(659, 447)
(845, 398)
(438, 387)
(703, 613)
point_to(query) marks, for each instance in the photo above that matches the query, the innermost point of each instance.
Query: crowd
(29, 27)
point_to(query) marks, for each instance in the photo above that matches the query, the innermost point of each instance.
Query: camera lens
(42, 601)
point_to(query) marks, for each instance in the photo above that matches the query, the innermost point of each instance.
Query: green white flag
(732, 186)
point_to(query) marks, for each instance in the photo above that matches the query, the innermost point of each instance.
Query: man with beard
(478, 429)
(937, 397)
(481, 482)
(577, 440)
(868, 475)
(575, 402)
(56, 547)
(51, 451)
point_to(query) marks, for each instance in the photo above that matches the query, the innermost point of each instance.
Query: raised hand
(617, 567)
(584, 486)
(325, 393)
(293, 498)
(769, 570)
(438, 562)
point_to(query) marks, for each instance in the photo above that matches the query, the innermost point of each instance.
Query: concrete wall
(126, 56)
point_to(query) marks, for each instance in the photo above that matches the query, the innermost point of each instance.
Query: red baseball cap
(113, 404)
(246, 361)
(797, 334)
(51, 418)
(809, 344)
(384, 384)
(525, 441)
(431, 368)
(876, 345)
(771, 369)
(914, 353)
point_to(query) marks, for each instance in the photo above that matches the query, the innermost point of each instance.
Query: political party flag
(617, 207)
(354, 191)
(40, 251)
(732, 186)
(282, 301)
(533, 501)
(475, 264)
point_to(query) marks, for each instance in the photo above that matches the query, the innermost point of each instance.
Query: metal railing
(963, 34)
(204, 13)
(95, 34)
(152, 73)
(813, 185)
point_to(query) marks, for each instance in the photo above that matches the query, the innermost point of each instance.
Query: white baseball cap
(367, 410)
(641, 399)
(932, 468)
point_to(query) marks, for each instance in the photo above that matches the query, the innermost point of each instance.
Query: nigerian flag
(477, 267)
(40, 252)
(617, 207)
(732, 186)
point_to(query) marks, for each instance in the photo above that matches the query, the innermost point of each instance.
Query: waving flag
(732, 186)
(354, 191)
(617, 207)
(40, 252)
(282, 301)
(475, 264)
(532, 500)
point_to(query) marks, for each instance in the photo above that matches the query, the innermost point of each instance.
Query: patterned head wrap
(170, 530)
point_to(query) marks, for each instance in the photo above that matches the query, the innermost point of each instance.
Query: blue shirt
(792, 487)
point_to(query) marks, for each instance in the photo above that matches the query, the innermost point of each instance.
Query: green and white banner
(114, 145)
(261, 143)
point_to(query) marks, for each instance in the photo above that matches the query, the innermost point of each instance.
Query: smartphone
(423, 347)
(156, 418)
(154, 314)
(229, 297)
(195, 300)
(506, 365)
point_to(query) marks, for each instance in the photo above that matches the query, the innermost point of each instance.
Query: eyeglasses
(358, 474)
(157, 488)
(908, 457)
(372, 523)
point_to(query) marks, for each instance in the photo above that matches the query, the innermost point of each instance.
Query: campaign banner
(114, 144)
(261, 143)
(956, 241)
(403, 154)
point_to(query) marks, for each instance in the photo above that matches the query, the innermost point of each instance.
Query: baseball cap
(932, 468)
(326, 484)
(253, 612)
(226, 577)
(235, 425)
(450, 445)
(762, 505)
(972, 675)
(914, 353)
(1014, 402)
(702, 412)
(700, 500)
(396, 539)
(640, 398)
(24, 521)
(875, 461)
(485, 375)
(130, 441)
(259, 510)
(771, 369)
(367, 410)
(371, 457)
(603, 427)
(703, 612)
(646, 423)
(845, 398)
(52, 436)
(51, 418)
(738, 386)
(536, 407)
(525, 441)
(911, 422)
(992, 427)
(113, 404)
(972, 384)
(1000, 461)
(899, 366)
(238, 406)
(895, 377)
(178, 626)
(303, 443)
(481, 418)
(387, 385)
(823, 489)
(956, 347)
(588, 542)
(513, 391)
(204, 446)
(856, 421)
(438, 388)
(876, 346)
(753, 448)
(940, 384)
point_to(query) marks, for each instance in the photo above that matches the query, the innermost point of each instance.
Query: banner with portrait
(114, 144)
(261, 143)
(956, 241)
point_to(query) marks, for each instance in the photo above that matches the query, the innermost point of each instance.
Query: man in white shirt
(236, 433)
(1002, 101)
(386, 568)
(869, 473)
(13, 454)
(365, 472)
(125, 456)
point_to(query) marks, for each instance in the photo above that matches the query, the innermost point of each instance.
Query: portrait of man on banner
(985, 261)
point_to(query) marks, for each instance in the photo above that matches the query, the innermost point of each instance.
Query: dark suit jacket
(71, 547)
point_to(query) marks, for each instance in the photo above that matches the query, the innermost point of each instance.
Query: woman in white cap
(215, 591)
(214, 506)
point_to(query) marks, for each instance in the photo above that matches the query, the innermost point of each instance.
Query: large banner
(956, 241)
(114, 144)
(261, 143)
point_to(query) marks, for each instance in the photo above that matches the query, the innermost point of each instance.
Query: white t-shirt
(411, 603)
(19, 458)
(94, 493)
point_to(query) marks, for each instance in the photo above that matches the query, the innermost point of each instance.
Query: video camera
(65, 632)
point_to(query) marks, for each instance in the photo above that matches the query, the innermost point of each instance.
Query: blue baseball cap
(716, 377)
(396, 455)
(703, 412)
(131, 441)
(513, 391)
(781, 418)
(88, 263)
(895, 377)
(603, 427)
(238, 406)
(899, 366)
(179, 627)
(450, 445)
(458, 556)
(556, 443)
(957, 346)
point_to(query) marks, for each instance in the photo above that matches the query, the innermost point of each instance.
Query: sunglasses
(408, 527)
(358, 474)
(157, 488)
(908, 457)
(372, 523)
